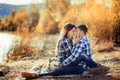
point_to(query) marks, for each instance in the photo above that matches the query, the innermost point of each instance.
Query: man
(82, 51)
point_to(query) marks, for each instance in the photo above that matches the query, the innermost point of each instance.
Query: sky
(23, 2)
(20, 2)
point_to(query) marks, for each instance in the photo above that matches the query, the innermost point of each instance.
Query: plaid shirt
(65, 49)
(82, 47)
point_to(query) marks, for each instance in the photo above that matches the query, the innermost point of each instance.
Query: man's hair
(83, 28)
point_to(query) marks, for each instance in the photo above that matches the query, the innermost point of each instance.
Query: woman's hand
(76, 38)
(60, 65)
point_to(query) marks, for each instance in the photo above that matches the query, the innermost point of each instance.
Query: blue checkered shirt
(82, 47)
(65, 49)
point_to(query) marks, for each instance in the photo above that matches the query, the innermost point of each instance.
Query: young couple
(74, 53)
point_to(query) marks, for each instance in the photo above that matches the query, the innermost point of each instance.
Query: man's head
(82, 30)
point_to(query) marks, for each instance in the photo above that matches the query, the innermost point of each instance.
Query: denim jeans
(66, 70)
(83, 57)
(72, 68)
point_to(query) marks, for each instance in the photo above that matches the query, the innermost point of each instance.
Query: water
(7, 42)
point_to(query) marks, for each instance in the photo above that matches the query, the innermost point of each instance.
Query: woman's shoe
(1, 73)
(29, 75)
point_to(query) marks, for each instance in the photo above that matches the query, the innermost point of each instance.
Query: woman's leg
(67, 70)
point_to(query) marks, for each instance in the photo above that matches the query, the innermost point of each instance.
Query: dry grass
(111, 60)
(34, 45)
(23, 50)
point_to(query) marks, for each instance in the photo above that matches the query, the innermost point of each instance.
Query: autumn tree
(33, 17)
(116, 24)
(58, 8)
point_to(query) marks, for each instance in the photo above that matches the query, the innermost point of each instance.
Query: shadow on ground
(97, 75)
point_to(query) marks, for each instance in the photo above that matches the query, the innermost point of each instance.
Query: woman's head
(67, 30)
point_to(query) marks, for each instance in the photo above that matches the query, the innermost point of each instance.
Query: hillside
(5, 9)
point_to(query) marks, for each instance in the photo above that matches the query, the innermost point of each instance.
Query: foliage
(23, 50)
(103, 21)
(18, 20)
(116, 20)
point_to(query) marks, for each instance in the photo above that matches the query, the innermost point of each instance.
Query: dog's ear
(54, 64)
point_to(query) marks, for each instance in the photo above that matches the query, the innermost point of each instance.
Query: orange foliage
(102, 20)
(17, 20)
(98, 17)
(20, 16)
(88, 14)
(57, 8)
(46, 23)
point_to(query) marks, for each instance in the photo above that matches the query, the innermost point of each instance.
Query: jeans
(66, 70)
(86, 59)
(72, 68)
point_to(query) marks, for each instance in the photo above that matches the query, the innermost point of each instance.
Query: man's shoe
(29, 75)
(97, 70)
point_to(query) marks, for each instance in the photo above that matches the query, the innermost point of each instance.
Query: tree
(116, 24)
(58, 8)
(33, 17)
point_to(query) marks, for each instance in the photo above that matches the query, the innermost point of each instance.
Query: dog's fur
(47, 66)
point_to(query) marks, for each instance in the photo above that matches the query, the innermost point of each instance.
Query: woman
(64, 44)
(63, 50)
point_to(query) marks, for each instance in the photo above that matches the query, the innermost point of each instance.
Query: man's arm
(88, 48)
(78, 49)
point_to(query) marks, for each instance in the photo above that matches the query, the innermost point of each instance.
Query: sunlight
(20, 2)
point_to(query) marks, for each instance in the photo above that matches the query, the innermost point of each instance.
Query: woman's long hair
(66, 28)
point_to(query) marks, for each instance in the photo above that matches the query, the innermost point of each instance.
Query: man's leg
(86, 59)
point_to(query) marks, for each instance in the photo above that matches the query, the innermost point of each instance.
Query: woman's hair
(66, 28)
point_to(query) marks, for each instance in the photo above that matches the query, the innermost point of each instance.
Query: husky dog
(46, 66)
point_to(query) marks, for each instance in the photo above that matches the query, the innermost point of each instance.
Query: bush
(18, 20)
(23, 50)
(46, 23)
(98, 18)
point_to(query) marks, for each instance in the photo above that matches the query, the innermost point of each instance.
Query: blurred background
(48, 16)
(31, 27)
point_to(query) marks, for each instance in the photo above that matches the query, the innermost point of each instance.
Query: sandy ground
(111, 60)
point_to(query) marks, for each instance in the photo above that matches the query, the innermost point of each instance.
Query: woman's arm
(65, 49)
(67, 45)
